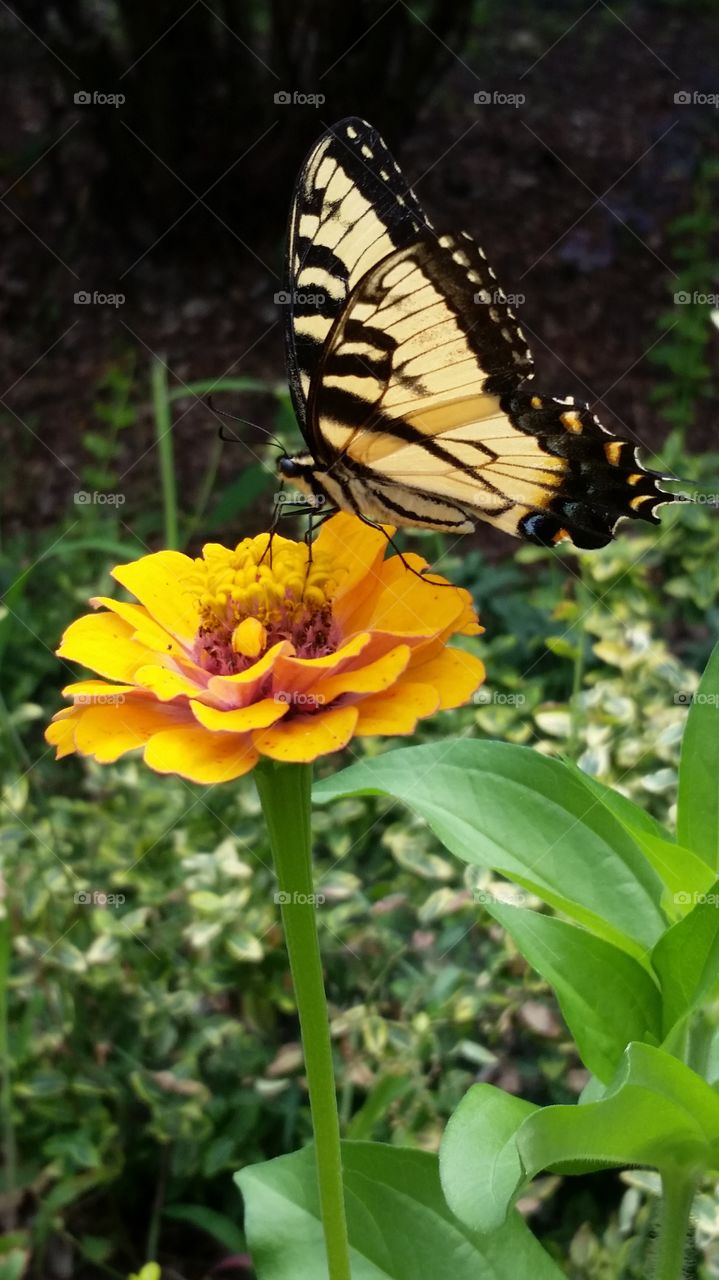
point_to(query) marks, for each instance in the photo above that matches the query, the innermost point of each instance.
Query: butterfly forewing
(351, 208)
(410, 376)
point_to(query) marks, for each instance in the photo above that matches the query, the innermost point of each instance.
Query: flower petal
(304, 738)
(259, 715)
(372, 678)
(360, 548)
(146, 629)
(201, 756)
(166, 684)
(241, 689)
(103, 642)
(397, 710)
(60, 733)
(453, 673)
(162, 582)
(302, 674)
(107, 732)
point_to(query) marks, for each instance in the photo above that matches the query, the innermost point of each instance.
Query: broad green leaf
(607, 997)
(698, 801)
(478, 1160)
(399, 1224)
(680, 869)
(657, 1112)
(523, 814)
(686, 959)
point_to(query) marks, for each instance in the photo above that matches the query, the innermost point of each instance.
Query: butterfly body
(410, 374)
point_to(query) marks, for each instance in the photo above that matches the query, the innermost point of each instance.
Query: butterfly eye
(289, 468)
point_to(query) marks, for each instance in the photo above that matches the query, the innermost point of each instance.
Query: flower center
(252, 597)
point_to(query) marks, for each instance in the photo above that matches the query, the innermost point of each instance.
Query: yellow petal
(107, 732)
(147, 631)
(166, 684)
(397, 710)
(360, 549)
(304, 738)
(249, 638)
(103, 642)
(86, 690)
(259, 715)
(200, 756)
(453, 673)
(162, 582)
(302, 674)
(60, 733)
(373, 678)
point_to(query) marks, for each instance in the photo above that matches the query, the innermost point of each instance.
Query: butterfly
(409, 373)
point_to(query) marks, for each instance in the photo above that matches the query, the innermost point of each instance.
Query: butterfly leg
(373, 525)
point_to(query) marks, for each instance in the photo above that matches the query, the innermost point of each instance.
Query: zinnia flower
(242, 653)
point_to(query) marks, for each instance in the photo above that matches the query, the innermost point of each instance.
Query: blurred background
(148, 155)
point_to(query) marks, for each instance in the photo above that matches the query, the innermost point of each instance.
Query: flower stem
(678, 1190)
(284, 792)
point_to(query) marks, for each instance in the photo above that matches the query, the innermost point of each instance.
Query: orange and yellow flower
(240, 654)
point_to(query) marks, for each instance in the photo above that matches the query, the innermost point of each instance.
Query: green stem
(678, 1188)
(284, 792)
(8, 1133)
(163, 434)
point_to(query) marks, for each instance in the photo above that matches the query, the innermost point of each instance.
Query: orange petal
(397, 710)
(302, 674)
(407, 605)
(200, 756)
(163, 583)
(107, 732)
(304, 738)
(360, 548)
(259, 715)
(453, 673)
(103, 642)
(242, 688)
(372, 678)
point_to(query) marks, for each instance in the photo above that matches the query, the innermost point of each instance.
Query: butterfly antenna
(229, 438)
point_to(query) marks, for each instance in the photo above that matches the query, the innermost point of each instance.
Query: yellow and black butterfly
(408, 373)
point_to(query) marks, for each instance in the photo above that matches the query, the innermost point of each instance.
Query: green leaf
(478, 1160)
(508, 808)
(686, 959)
(217, 1225)
(606, 996)
(399, 1225)
(698, 800)
(377, 1103)
(657, 1112)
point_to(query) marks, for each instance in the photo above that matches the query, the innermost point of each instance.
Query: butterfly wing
(418, 399)
(351, 208)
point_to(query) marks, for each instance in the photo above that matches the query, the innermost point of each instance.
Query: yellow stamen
(246, 585)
